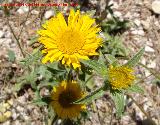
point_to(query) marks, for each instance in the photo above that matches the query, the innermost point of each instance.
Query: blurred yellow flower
(121, 77)
(63, 97)
(69, 41)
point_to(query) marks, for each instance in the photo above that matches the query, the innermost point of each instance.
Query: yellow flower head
(63, 97)
(120, 77)
(69, 41)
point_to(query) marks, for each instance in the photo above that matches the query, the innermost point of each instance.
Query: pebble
(117, 14)
(35, 12)
(143, 61)
(8, 34)
(152, 65)
(48, 14)
(23, 9)
(149, 49)
(137, 22)
(138, 32)
(22, 99)
(26, 117)
(20, 109)
(145, 24)
(115, 4)
(14, 114)
(1, 34)
(156, 6)
(147, 73)
(7, 123)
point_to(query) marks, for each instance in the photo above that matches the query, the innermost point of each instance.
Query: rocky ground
(145, 31)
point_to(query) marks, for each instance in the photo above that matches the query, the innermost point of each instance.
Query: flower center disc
(70, 41)
(66, 98)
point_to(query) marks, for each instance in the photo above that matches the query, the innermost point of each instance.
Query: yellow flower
(63, 97)
(69, 41)
(120, 77)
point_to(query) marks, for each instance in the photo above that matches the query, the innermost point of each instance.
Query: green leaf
(135, 59)
(46, 84)
(39, 102)
(112, 60)
(135, 88)
(32, 58)
(42, 101)
(119, 103)
(18, 86)
(89, 82)
(33, 40)
(55, 71)
(89, 98)
(31, 78)
(11, 55)
(99, 67)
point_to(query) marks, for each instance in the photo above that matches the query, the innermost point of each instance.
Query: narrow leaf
(89, 98)
(11, 55)
(135, 59)
(135, 88)
(112, 60)
(99, 67)
(119, 103)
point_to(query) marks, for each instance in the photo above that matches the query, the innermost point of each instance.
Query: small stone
(156, 6)
(141, 32)
(143, 61)
(14, 114)
(7, 114)
(27, 22)
(115, 4)
(2, 109)
(145, 24)
(117, 14)
(10, 102)
(94, 2)
(6, 105)
(149, 49)
(7, 123)
(138, 32)
(152, 65)
(22, 99)
(23, 9)
(48, 14)
(17, 122)
(20, 109)
(35, 12)
(8, 34)
(26, 117)
(1, 34)
(137, 22)
(147, 73)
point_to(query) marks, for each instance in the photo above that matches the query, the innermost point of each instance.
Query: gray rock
(156, 6)
(145, 24)
(149, 49)
(48, 14)
(35, 12)
(23, 9)
(1, 34)
(137, 22)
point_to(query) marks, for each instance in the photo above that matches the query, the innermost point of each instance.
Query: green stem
(17, 40)
(83, 100)
(54, 119)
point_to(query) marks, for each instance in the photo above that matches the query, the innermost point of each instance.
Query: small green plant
(66, 61)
